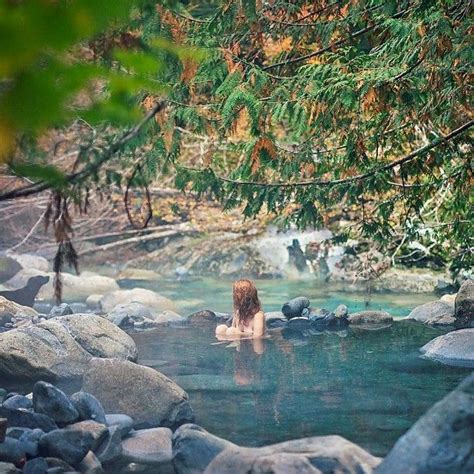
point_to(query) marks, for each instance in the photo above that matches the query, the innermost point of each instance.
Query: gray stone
(3, 394)
(36, 466)
(90, 464)
(9, 267)
(370, 317)
(152, 300)
(30, 441)
(327, 454)
(18, 401)
(16, 310)
(168, 316)
(49, 400)
(194, 448)
(441, 441)
(126, 315)
(69, 445)
(88, 407)
(97, 430)
(61, 347)
(11, 450)
(146, 395)
(56, 463)
(111, 447)
(152, 446)
(341, 311)
(464, 305)
(436, 313)
(454, 348)
(295, 307)
(8, 468)
(204, 315)
(27, 419)
(62, 310)
(123, 422)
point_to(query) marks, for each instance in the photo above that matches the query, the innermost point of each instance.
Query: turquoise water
(368, 386)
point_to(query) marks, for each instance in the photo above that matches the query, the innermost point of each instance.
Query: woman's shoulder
(260, 314)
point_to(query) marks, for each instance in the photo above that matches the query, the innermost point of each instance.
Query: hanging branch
(138, 170)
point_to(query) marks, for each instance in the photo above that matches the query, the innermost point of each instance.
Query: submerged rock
(69, 445)
(194, 448)
(296, 307)
(62, 310)
(441, 440)
(49, 400)
(454, 348)
(436, 313)
(123, 422)
(151, 447)
(88, 407)
(464, 305)
(370, 317)
(111, 447)
(154, 301)
(144, 394)
(326, 454)
(61, 347)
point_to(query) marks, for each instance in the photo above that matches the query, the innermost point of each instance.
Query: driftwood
(172, 231)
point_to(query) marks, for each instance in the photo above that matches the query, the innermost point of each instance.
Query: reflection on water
(368, 386)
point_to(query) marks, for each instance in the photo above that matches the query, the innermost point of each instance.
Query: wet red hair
(246, 302)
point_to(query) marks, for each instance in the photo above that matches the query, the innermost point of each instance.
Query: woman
(249, 319)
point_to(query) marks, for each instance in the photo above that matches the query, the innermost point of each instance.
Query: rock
(284, 463)
(59, 464)
(69, 445)
(16, 310)
(370, 317)
(464, 305)
(90, 464)
(111, 447)
(436, 313)
(49, 400)
(9, 267)
(341, 311)
(61, 347)
(97, 430)
(27, 261)
(454, 348)
(62, 310)
(194, 448)
(449, 299)
(26, 419)
(151, 446)
(204, 315)
(275, 319)
(11, 451)
(152, 300)
(138, 274)
(18, 401)
(123, 422)
(8, 468)
(146, 395)
(3, 395)
(441, 440)
(30, 440)
(295, 307)
(443, 286)
(327, 454)
(168, 317)
(93, 301)
(88, 407)
(36, 466)
(126, 315)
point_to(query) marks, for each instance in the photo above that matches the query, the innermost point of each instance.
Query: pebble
(18, 401)
(88, 407)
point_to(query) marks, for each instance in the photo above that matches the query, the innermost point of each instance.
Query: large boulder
(454, 348)
(464, 305)
(9, 267)
(144, 394)
(436, 313)
(194, 448)
(441, 441)
(28, 260)
(370, 317)
(75, 287)
(326, 454)
(61, 348)
(155, 302)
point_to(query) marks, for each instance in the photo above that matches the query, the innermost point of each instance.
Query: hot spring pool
(368, 386)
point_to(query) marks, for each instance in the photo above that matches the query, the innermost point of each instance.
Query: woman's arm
(259, 324)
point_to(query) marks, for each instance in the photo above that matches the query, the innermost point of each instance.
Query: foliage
(359, 108)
